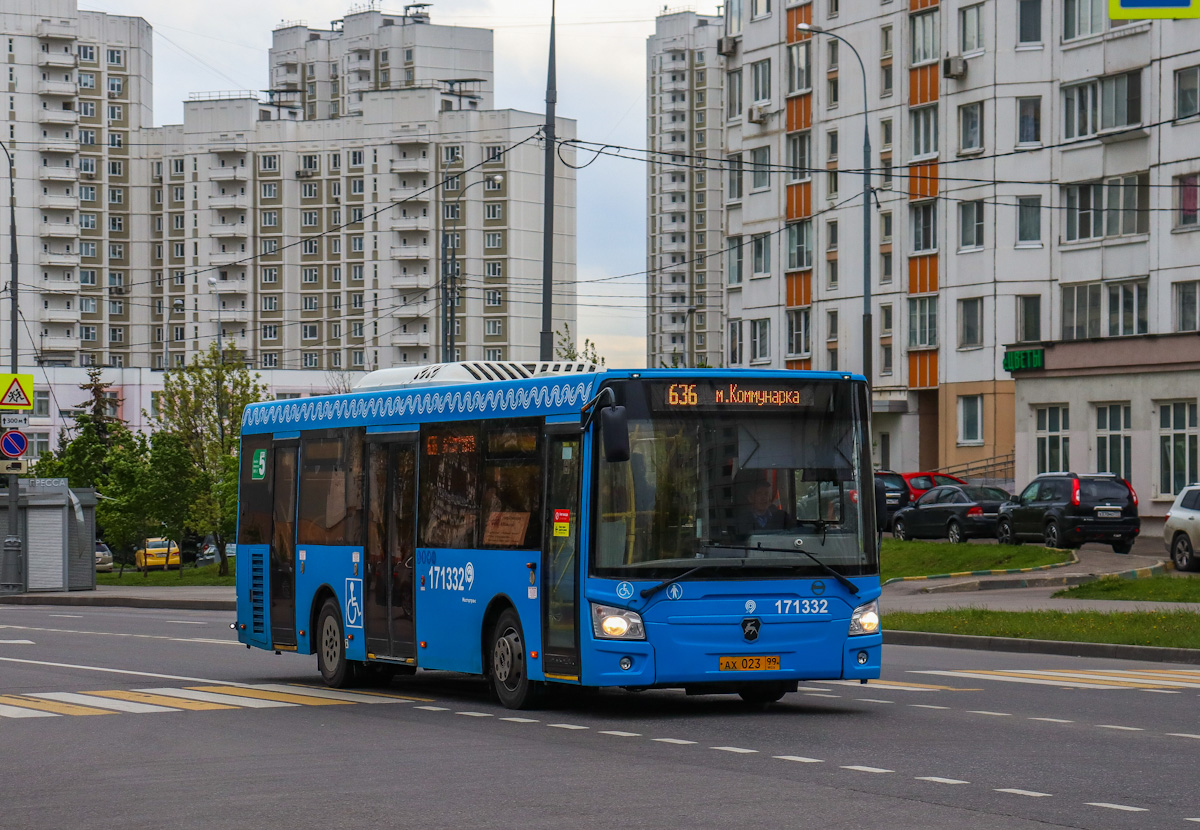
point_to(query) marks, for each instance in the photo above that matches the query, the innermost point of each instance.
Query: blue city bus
(555, 524)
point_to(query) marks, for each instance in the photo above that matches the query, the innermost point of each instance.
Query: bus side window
(254, 521)
(449, 513)
(331, 477)
(512, 487)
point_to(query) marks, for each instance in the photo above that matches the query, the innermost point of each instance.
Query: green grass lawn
(1170, 629)
(1157, 588)
(191, 577)
(917, 558)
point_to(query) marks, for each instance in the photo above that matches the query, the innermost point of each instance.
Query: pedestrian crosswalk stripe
(162, 700)
(330, 694)
(104, 703)
(281, 697)
(17, 712)
(1080, 680)
(210, 697)
(52, 706)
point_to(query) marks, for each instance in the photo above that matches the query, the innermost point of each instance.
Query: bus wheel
(762, 694)
(331, 647)
(509, 676)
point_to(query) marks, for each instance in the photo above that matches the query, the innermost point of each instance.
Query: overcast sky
(209, 45)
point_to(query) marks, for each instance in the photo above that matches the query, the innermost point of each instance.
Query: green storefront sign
(1023, 359)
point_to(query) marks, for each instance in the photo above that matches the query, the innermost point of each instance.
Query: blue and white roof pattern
(525, 398)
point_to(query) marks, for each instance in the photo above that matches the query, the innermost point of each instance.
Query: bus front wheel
(331, 647)
(510, 677)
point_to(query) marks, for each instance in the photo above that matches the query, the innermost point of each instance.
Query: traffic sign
(13, 420)
(18, 391)
(14, 467)
(14, 443)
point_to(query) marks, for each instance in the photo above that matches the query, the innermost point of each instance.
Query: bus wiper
(846, 583)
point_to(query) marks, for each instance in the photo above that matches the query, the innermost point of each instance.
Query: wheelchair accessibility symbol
(354, 611)
(625, 590)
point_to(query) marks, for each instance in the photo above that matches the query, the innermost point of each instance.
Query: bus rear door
(560, 557)
(391, 540)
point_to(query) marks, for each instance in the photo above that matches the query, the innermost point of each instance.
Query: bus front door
(560, 558)
(391, 540)
(283, 548)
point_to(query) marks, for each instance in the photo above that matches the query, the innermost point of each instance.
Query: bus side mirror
(614, 428)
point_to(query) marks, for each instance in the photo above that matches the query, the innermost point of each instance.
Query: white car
(1181, 533)
(209, 554)
(104, 559)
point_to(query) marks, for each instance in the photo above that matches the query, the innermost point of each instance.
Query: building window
(970, 127)
(924, 38)
(1029, 22)
(1114, 439)
(733, 89)
(760, 73)
(799, 156)
(760, 340)
(1083, 17)
(735, 260)
(1187, 306)
(924, 222)
(970, 225)
(1115, 207)
(761, 247)
(922, 322)
(1127, 312)
(1053, 423)
(493, 239)
(1187, 188)
(1104, 104)
(734, 163)
(799, 340)
(494, 328)
(970, 27)
(970, 420)
(1081, 311)
(760, 168)
(970, 323)
(1029, 220)
(1177, 440)
(735, 342)
(1029, 318)
(1187, 92)
(799, 242)
(924, 130)
(799, 67)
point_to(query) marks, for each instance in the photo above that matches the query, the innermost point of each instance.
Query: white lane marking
(1053, 720)
(1183, 735)
(883, 684)
(185, 622)
(16, 642)
(433, 708)
(1185, 680)
(217, 697)
(329, 694)
(1030, 793)
(520, 720)
(926, 706)
(993, 714)
(619, 734)
(123, 671)
(474, 714)
(815, 689)
(68, 616)
(936, 780)
(566, 726)
(1030, 680)
(104, 702)
(736, 749)
(1193, 819)
(1108, 806)
(18, 712)
(799, 759)
(868, 769)
(872, 700)
(115, 634)
(818, 694)
(1162, 692)
(1122, 728)
(675, 741)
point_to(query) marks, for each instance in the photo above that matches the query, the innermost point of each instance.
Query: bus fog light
(862, 658)
(609, 623)
(865, 619)
(626, 663)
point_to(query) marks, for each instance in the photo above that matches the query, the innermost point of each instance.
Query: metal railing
(998, 466)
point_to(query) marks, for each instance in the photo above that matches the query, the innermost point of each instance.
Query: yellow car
(155, 553)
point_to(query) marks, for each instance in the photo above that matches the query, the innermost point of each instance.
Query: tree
(83, 447)
(565, 348)
(201, 405)
(122, 508)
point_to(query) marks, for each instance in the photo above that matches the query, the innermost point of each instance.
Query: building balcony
(57, 145)
(58, 258)
(227, 258)
(64, 60)
(57, 201)
(411, 282)
(673, 106)
(414, 194)
(410, 223)
(229, 174)
(58, 173)
(668, 85)
(67, 88)
(411, 165)
(230, 201)
(58, 287)
(234, 315)
(59, 230)
(48, 30)
(417, 310)
(358, 81)
(226, 230)
(224, 287)
(57, 342)
(59, 315)
(669, 186)
(412, 252)
(411, 339)
(64, 117)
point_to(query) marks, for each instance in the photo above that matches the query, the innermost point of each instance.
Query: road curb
(99, 600)
(1156, 569)
(1073, 561)
(1060, 647)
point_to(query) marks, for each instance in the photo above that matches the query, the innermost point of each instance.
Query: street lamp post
(212, 283)
(11, 569)
(451, 293)
(866, 206)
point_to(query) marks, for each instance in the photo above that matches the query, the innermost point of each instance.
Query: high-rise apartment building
(1035, 190)
(684, 120)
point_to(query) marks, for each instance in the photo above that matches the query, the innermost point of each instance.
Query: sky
(222, 45)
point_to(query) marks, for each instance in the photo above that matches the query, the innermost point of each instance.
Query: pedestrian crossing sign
(1140, 9)
(18, 391)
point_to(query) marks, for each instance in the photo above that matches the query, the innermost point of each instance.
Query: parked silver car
(1181, 533)
(104, 560)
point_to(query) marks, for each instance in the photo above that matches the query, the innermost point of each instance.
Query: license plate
(1108, 514)
(760, 663)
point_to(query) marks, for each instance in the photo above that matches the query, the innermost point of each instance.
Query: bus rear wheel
(335, 669)
(510, 676)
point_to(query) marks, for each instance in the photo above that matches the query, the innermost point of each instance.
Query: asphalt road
(949, 739)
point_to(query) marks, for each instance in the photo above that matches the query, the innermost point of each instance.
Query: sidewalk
(184, 597)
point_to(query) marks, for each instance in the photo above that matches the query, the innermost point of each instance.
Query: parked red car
(918, 483)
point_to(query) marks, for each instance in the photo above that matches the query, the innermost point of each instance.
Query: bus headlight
(865, 619)
(610, 623)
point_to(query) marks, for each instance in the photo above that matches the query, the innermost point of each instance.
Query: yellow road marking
(281, 697)
(161, 700)
(1068, 680)
(376, 694)
(52, 706)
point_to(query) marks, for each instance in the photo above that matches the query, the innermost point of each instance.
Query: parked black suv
(1065, 510)
(896, 490)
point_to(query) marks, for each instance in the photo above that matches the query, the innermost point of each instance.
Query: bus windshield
(761, 476)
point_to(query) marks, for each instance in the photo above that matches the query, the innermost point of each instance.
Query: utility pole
(12, 574)
(547, 344)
